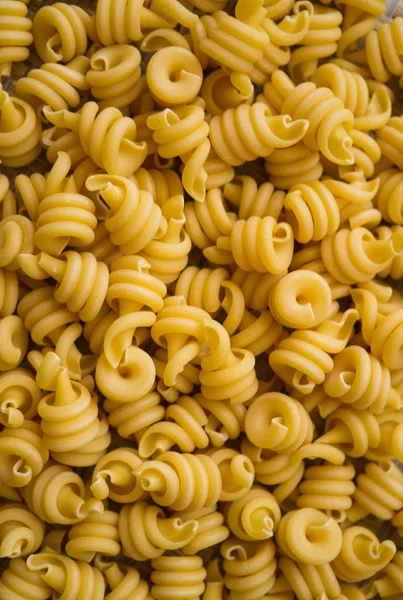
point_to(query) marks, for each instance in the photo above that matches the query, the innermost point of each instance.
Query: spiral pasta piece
(18, 582)
(202, 287)
(125, 582)
(291, 166)
(57, 494)
(179, 576)
(184, 427)
(17, 237)
(162, 185)
(67, 577)
(61, 32)
(132, 418)
(362, 381)
(329, 488)
(237, 473)
(207, 221)
(388, 197)
(114, 476)
(16, 35)
(211, 530)
(243, 134)
(133, 219)
(254, 516)
(114, 76)
(390, 138)
(384, 50)
(221, 90)
(55, 85)
(96, 533)
(394, 269)
(309, 581)
(21, 531)
(107, 137)
(255, 287)
(362, 555)
(253, 200)
(389, 582)
(184, 132)
(320, 538)
(19, 397)
(23, 454)
(224, 420)
(146, 533)
(20, 131)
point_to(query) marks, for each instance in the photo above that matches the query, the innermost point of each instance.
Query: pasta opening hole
(301, 299)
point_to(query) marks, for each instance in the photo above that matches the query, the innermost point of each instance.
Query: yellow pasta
(181, 577)
(17, 577)
(254, 516)
(95, 533)
(309, 581)
(16, 36)
(20, 530)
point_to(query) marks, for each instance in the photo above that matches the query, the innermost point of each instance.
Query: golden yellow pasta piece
(18, 576)
(179, 576)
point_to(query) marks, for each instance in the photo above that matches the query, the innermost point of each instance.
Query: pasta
(201, 247)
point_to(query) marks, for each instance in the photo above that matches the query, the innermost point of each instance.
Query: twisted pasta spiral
(133, 219)
(390, 579)
(114, 476)
(361, 555)
(237, 473)
(15, 35)
(179, 576)
(254, 200)
(16, 238)
(352, 89)
(21, 532)
(60, 32)
(221, 90)
(301, 299)
(23, 454)
(383, 50)
(131, 418)
(328, 488)
(18, 582)
(390, 138)
(388, 200)
(95, 533)
(379, 492)
(202, 287)
(249, 568)
(226, 373)
(15, 342)
(394, 269)
(183, 427)
(19, 397)
(254, 516)
(181, 481)
(55, 85)
(309, 581)
(183, 132)
(224, 420)
(210, 529)
(125, 583)
(243, 134)
(20, 132)
(291, 166)
(63, 574)
(255, 287)
(361, 380)
(114, 76)
(108, 138)
(57, 494)
(168, 256)
(319, 539)
(83, 281)
(162, 185)
(146, 533)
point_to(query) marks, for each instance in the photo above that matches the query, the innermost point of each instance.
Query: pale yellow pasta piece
(146, 532)
(362, 555)
(210, 532)
(66, 577)
(123, 581)
(390, 137)
(253, 199)
(254, 516)
(214, 582)
(237, 473)
(132, 418)
(162, 185)
(19, 577)
(221, 90)
(29, 192)
(309, 536)
(384, 50)
(255, 287)
(19, 397)
(290, 166)
(21, 531)
(309, 581)
(114, 476)
(185, 381)
(96, 533)
(225, 420)
(202, 287)
(16, 36)
(389, 582)
(23, 454)
(181, 577)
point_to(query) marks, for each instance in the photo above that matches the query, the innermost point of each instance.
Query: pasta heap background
(201, 327)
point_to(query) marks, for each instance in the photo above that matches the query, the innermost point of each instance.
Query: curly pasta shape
(320, 41)
(278, 423)
(254, 516)
(319, 538)
(291, 166)
(184, 427)
(16, 35)
(249, 568)
(57, 495)
(242, 134)
(182, 576)
(19, 397)
(361, 555)
(162, 185)
(133, 219)
(114, 76)
(18, 582)
(300, 300)
(389, 583)
(96, 533)
(388, 199)
(55, 85)
(114, 476)
(185, 381)
(253, 200)
(61, 32)
(390, 138)
(224, 420)
(202, 287)
(395, 268)
(383, 50)
(221, 90)
(183, 132)
(255, 287)
(379, 492)
(67, 578)
(181, 481)
(309, 581)
(23, 454)
(21, 532)
(303, 359)
(237, 473)
(125, 582)
(14, 334)
(133, 418)
(362, 381)
(211, 530)
(16, 237)
(329, 488)
(146, 532)
(20, 131)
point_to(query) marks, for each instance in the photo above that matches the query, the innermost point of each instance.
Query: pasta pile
(201, 328)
